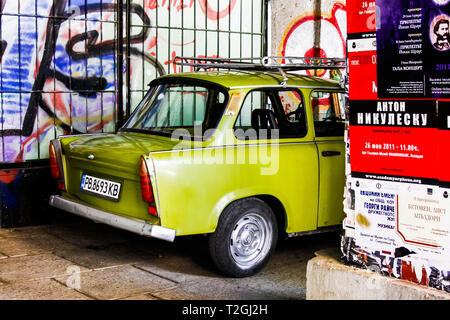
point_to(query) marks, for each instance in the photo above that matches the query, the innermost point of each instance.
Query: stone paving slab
(119, 282)
(178, 269)
(33, 244)
(38, 266)
(212, 289)
(104, 256)
(23, 231)
(290, 277)
(40, 289)
(89, 235)
(142, 296)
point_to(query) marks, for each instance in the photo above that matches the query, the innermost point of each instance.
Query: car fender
(237, 195)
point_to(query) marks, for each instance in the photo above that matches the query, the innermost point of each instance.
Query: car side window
(328, 113)
(255, 100)
(268, 112)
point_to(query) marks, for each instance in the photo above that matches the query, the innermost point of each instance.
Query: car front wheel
(245, 238)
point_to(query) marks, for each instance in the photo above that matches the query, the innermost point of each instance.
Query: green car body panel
(194, 181)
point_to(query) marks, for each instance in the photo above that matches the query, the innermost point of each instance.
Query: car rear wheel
(245, 238)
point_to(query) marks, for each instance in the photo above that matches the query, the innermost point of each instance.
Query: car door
(295, 180)
(328, 114)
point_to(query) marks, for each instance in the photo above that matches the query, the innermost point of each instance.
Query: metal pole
(265, 28)
(128, 71)
(120, 114)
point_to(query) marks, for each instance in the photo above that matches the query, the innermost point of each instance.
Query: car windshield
(186, 109)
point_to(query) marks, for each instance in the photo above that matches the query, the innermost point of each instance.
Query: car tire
(245, 238)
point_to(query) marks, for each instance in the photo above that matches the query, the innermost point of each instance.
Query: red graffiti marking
(213, 14)
(315, 51)
(174, 54)
(8, 176)
(152, 43)
(175, 70)
(408, 273)
(363, 254)
(205, 6)
(317, 102)
(200, 56)
(175, 4)
(322, 54)
(389, 269)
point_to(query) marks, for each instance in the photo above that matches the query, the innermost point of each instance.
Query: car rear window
(187, 109)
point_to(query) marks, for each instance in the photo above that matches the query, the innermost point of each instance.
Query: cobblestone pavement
(84, 260)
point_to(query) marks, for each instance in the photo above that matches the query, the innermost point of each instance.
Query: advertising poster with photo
(375, 213)
(391, 215)
(413, 44)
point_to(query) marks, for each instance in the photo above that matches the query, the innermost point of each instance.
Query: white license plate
(103, 187)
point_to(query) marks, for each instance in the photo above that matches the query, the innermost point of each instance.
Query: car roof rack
(267, 63)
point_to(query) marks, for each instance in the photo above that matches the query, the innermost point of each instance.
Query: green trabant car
(241, 155)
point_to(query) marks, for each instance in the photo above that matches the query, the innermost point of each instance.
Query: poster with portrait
(444, 144)
(413, 45)
(361, 49)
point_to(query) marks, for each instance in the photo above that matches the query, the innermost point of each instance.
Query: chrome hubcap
(250, 240)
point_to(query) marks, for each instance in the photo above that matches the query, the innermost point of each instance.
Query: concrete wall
(309, 28)
(327, 278)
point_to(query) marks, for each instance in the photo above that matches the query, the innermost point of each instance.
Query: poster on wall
(393, 140)
(391, 215)
(413, 43)
(362, 66)
(361, 50)
(375, 213)
(423, 221)
(360, 16)
(444, 144)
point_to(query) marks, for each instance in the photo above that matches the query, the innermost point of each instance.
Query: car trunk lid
(121, 150)
(111, 158)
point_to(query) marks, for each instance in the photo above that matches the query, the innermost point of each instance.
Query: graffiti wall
(81, 66)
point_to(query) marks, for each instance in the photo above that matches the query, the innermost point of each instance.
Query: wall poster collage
(397, 203)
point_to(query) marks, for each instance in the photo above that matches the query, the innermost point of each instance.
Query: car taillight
(55, 164)
(146, 187)
(54, 168)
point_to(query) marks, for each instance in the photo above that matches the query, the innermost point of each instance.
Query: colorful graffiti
(46, 85)
(59, 63)
(61, 68)
(299, 38)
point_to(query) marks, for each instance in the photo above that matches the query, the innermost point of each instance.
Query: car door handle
(330, 153)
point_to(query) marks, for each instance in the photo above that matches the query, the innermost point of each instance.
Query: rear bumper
(134, 225)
